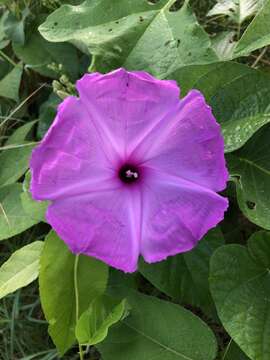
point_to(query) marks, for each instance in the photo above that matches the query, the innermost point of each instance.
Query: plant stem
(77, 300)
(259, 57)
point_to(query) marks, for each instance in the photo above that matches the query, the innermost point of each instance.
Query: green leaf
(38, 53)
(208, 78)
(57, 288)
(184, 277)
(240, 285)
(36, 210)
(237, 10)
(47, 113)
(20, 269)
(128, 31)
(242, 108)
(14, 27)
(257, 34)
(13, 217)
(103, 312)
(233, 352)
(157, 329)
(181, 42)
(15, 161)
(10, 84)
(239, 97)
(19, 135)
(251, 168)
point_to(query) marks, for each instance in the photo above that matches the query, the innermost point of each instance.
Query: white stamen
(130, 174)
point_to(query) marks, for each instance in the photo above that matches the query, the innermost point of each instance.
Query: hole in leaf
(178, 42)
(141, 19)
(55, 23)
(153, 2)
(251, 205)
(176, 6)
(117, 22)
(110, 30)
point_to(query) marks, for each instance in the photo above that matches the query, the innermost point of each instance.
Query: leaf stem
(77, 300)
(227, 349)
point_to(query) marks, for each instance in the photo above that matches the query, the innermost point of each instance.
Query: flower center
(128, 173)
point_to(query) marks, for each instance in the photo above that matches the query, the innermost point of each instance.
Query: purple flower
(130, 169)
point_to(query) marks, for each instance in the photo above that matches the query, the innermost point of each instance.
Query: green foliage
(47, 113)
(158, 329)
(240, 285)
(37, 53)
(164, 38)
(103, 312)
(257, 33)
(250, 168)
(13, 217)
(67, 287)
(128, 31)
(15, 159)
(13, 27)
(10, 84)
(242, 107)
(35, 209)
(20, 269)
(184, 277)
(233, 352)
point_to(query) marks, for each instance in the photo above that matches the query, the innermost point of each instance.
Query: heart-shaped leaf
(127, 32)
(157, 329)
(240, 285)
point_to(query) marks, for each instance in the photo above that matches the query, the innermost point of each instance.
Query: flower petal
(71, 158)
(104, 225)
(176, 215)
(188, 144)
(125, 105)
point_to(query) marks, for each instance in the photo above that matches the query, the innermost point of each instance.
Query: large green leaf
(181, 42)
(208, 78)
(219, 75)
(242, 108)
(57, 288)
(257, 34)
(10, 84)
(37, 53)
(20, 269)
(15, 160)
(94, 323)
(128, 31)
(240, 285)
(184, 277)
(160, 330)
(251, 168)
(13, 217)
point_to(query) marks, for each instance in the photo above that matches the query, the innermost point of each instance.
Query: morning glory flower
(130, 169)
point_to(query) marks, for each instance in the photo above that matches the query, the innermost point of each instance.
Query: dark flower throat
(128, 173)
